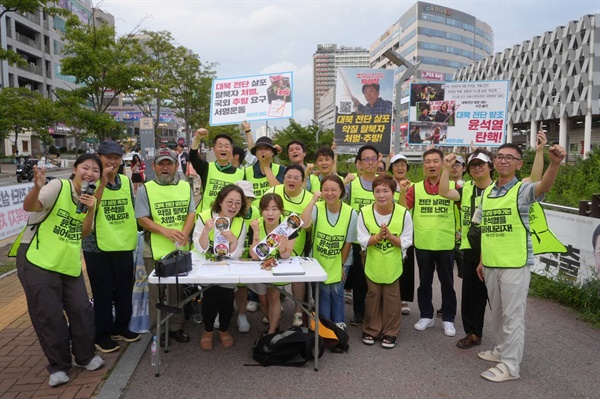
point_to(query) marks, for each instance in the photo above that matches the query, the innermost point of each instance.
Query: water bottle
(153, 351)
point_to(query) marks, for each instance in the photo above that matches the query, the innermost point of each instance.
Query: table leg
(316, 326)
(158, 319)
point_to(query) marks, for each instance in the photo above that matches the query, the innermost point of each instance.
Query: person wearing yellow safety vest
(295, 200)
(434, 236)
(164, 208)
(108, 252)
(214, 175)
(398, 168)
(49, 267)
(333, 233)
(506, 254)
(384, 230)
(359, 193)
(229, 204)
(264, 174)
(296, 151)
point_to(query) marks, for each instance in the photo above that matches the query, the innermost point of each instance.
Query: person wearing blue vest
(164, 208)
(49, 268)
(108, 252)
(506, 254)
(434, 238)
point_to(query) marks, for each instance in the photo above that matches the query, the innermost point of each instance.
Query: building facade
(554, 85)
(326, 60)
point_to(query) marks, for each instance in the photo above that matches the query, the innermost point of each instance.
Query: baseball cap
(246, 187)
(263, 142)
(481, 156)
(110, 148)
(460, 159)
(396, 158)
(165, 153)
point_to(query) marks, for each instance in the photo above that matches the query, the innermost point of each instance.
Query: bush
(80, 151)
(63, 150)
(53, 150)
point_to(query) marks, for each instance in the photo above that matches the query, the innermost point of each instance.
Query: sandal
(498, 373)
(388, 342)
(206, 341)
(367, 339)
(226, 339)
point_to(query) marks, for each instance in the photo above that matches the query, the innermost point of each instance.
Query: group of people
(366, 231)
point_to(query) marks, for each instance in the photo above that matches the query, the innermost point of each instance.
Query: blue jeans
(443, 262)
(331, 302)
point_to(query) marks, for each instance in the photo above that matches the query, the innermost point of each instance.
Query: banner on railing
(12, 216)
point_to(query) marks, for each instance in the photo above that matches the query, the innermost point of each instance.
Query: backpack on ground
(283, 347)
(334, 337)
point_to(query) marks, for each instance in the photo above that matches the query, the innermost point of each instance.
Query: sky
(256, 37)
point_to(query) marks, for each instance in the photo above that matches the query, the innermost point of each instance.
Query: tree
(104, 68)
(307, 135)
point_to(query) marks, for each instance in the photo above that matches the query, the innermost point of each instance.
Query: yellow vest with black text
(56, 245)
(434, 220)
(328, 240)
(466, 213)
(503, 233)
(215, 181)
(252, 214)
(290, 207)
(169, 206)
(237, 223)
(259, 184)
(116, 227)
(383, 262)
(360, 196)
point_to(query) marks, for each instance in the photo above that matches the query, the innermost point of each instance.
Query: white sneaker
(216, 324)
(341, 325)
(405, 308)
(265, 320)
(297, 320)
(243, 325)
(424, 323)
(252, 306)
(58, 378)
(449, 329)
(94, 364)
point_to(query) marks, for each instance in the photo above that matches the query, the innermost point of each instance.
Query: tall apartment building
(37, 38)
(441, 38)
(326, 60)
(554, 85)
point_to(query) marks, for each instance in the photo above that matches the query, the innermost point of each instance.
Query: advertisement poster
(270, 243)
(458, 113)
(12, 216)
(251, 98)
(363, 104)
(581, 236)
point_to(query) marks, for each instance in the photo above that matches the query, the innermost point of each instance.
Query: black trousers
(442, 262)
(357, 281)
(474, 298)
(407, 279)
(217, 299)
(111, 279)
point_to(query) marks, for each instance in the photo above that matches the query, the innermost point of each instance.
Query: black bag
(474, 237)
(282, 347)
(340, 345)
(174, 263)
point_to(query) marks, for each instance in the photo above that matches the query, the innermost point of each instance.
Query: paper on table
(244, 268)
(288, 267)
(214, 269)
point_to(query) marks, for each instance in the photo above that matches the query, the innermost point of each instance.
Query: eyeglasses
(507, 158)
(233, 204)
(297, 178)
(369, 160)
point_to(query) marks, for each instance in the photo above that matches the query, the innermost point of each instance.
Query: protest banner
(456, 113)
(12, 216)
(363, 103)
(251, 98)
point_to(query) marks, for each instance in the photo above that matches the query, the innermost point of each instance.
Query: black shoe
(356, 320)
(127, 336)
(180, 336)
(106, 345)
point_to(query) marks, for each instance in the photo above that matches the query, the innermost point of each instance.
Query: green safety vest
(360, 196)
(290, 207)
(260, 184)
(56, 245)
(237, 223)
(383, 261)
(434, 220)
(169, 206)
(543, 240)
(253, 214)
(315, 183)
(116, 226)
(328, 240)
(215, 181)
(468, 191)
(503, 233)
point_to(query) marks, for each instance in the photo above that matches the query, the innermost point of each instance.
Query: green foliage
(232, 130)
(306, 135)
(53, 150)
(584, 299)
(63, 150)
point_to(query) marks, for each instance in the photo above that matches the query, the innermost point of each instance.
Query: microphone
(86, 188)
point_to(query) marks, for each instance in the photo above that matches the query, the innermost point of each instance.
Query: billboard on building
(363, 106)
(458, 113)
(251, 98)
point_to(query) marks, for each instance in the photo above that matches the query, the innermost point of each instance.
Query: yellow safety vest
(290, 207)
(434, 219)
(116, 227)
(237, 223)
(260, 184)
(215, 181)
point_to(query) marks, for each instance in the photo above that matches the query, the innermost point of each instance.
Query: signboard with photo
(221, 245)
(270, 243)
(458, 113)
(251, 98)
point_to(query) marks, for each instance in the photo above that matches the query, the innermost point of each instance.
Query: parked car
(129, 156)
